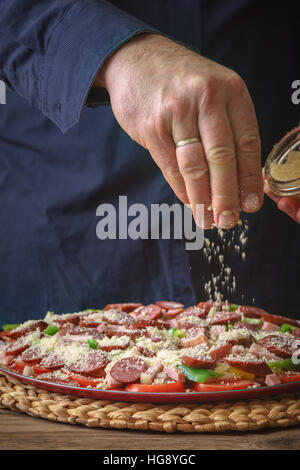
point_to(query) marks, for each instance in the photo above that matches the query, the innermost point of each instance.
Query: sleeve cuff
(89, 33)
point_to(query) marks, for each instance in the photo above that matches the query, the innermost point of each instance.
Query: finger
(288, 205)
(216, 134)
(163, 153)
(194, 169)
(291, 207)
(248, 149)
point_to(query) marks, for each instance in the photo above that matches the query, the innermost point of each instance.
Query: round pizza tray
(140, 397)
(253, 414)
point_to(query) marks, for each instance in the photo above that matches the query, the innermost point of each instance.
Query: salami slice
(243, 324)
(92, 366)
(37, 325)
(252, 312)
(128, 370)
(16, 347)
(198, 363)
(165, 304)
(149, 312)
(277, 345)
(118, 318)
(73, 319)
(259, 368)
(52, 361)
(221, 318)
(145, 323)
(172, 313)
(117, 330)
(123, 307)
(221, 351)
(111, 347)
(32, 355)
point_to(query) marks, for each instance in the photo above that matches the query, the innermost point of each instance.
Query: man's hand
(288, 205)
(162, 93)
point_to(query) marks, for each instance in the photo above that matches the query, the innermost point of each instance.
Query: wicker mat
(279, 412)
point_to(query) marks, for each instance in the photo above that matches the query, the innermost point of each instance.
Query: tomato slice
(286, 378)
(84, 381)
(156, 388)
(218, 386)
(19, 365)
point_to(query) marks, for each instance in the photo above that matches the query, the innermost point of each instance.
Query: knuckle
(220, 156)
(249, 144)
(172, 173)
(236, 83)
(194, 172)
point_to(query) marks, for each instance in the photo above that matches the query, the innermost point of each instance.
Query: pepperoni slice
(118, 318)
(117, 330)
(252, 312)
(192, 311)
(259, 368)
(128, 370)
(246, 341)
(296, 332)
(277, 345)
(220, 351)
(92, 366)
(198, 363)
(221, 318)
(111, 347)
(146, 352)
(16, 347)
(156, 323)
(37, 325)
(167, 305)
(88, 323)
(32, 355)
(73, 319)
(172, 313)
(242, 324)
(52, 362)
(150, 312)
(123, 307)
(280, 320)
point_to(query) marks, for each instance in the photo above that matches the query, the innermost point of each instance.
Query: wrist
(127, 54)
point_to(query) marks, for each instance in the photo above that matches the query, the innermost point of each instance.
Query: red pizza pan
(142, 397)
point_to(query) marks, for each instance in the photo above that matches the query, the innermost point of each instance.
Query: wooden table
(19, 431)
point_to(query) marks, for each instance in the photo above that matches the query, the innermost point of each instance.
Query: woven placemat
(279, 412)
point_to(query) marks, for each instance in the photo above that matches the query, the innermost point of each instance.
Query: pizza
(162, 348)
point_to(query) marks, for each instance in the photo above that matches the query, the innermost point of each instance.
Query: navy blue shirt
(60, 158)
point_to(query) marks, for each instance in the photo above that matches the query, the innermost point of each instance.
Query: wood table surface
(19, 431)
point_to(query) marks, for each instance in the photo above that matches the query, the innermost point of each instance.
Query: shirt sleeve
(51, 51)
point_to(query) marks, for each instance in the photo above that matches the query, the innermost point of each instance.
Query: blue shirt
(62, 154)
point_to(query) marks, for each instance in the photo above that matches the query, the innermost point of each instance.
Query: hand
(288, 205)
(162, 93)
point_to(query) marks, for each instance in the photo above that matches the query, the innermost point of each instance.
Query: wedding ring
(182, 143)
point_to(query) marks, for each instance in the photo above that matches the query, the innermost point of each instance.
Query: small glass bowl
(279, 156)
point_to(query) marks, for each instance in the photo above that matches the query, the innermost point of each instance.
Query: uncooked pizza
(162, 347)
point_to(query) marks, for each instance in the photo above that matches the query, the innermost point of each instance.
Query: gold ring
(182, 143)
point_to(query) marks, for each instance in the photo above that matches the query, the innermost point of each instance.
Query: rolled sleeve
(86, 36)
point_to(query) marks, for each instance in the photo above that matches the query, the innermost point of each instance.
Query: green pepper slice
(199, 375)
(51, 330)
(10, 326)
(286, 327)
(177, 332)
(92, 343)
